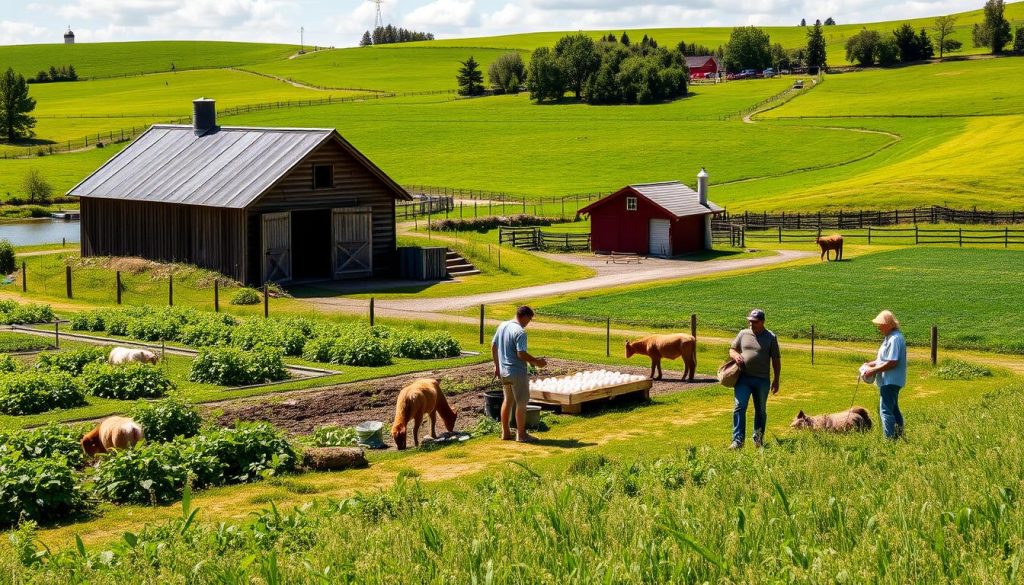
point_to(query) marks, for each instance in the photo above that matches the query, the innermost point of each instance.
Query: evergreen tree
(15, 104)
(925, 48)
(816, 55)
(995, 32)
(803, 22)
(1018, 41)
(611, 38)
(72, 74)
(907, 42)
(624, 39)
(367, 40)
(470, 78)
(830, 21)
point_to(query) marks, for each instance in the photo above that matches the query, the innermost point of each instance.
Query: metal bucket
(492, 403)
(532, 416)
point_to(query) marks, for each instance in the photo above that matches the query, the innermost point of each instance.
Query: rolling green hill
(132, 58)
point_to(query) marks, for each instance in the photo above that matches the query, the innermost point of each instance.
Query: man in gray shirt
(755, 350)
(508, 351)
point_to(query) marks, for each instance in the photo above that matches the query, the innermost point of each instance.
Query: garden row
(314, 340)
(43, 477)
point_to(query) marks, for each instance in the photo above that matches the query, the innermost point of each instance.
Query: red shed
(652, 219)
(702, 66)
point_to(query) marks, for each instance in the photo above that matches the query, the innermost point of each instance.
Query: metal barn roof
(676, 198)
(227, 167)
(698, 61)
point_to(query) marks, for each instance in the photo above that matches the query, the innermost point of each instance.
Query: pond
(30, 233)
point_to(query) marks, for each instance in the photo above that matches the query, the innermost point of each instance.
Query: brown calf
(669, 347)
(831, 243)
(421, 397)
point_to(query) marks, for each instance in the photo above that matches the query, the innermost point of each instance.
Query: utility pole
(302, 40)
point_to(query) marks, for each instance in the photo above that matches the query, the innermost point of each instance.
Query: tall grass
(807, 509)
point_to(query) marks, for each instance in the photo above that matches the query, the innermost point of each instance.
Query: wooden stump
(331, 458)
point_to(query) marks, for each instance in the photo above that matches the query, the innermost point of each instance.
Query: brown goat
(831, 243)
(421, 397)
(855, 419)
(115, 432)
(669, 347)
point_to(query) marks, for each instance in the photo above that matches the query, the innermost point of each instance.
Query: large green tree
(507, 73)
(545, 79)
(995, 31)
(816, 54)
(15, 104)
(862, 47)
(943, 29)
(470, 78)
(579, 58)
(748, 48)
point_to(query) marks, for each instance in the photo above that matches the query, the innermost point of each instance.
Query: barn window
(323, 176)
(630, 203)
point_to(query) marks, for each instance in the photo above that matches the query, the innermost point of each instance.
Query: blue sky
(341, 22)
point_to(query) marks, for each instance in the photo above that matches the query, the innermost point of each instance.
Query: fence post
(812, 344)
(693, 325)
(266, 302)
(869, 235)
(780, 233)
(961, 237)
(935, 345)
(371, 312)
(117, 283)
(916, 234)
(170, 290)
(24, 280)
(216, 295)
(1006, 238)
(608, 337)
(56, 333)
(481, 324)
(67, 278)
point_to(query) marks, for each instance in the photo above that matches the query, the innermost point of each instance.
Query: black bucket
(492, 403)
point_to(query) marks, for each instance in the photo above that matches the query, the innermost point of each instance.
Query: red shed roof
(672, 196)
(699, 61)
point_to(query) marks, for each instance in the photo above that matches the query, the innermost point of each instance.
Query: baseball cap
(756, 315)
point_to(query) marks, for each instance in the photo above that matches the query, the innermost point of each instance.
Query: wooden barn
(702, 66)
(653, 219)
(256, 204)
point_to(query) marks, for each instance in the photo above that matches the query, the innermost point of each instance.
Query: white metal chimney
(702, 186)
(702, 195)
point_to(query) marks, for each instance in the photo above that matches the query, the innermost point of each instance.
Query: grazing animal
(855, 419)
(829, 244)
(116, 432)
(124, 355)
(669, 347)
(421, 397)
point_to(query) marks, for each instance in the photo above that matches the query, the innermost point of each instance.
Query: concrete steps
(459, 266)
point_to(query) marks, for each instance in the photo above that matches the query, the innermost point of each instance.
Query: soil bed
(349, 404)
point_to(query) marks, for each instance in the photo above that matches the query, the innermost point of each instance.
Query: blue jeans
(746, 387)
(889, 408)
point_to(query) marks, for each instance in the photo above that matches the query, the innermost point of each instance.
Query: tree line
(386, 35)
(63, 74)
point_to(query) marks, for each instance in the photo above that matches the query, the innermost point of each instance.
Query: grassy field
(965, 292)
(121, 59)
(391, 68)
(953, 88)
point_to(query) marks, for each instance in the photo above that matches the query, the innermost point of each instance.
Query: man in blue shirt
(508, 351)
(890, 372)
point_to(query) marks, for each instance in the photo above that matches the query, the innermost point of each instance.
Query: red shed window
(630, 203)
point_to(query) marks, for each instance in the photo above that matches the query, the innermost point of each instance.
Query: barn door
(659, 242)
(277, 247)
(352, 255)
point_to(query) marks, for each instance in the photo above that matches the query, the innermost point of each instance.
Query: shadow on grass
(330, 289)
(563, 443)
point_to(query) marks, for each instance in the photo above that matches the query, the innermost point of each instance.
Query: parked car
(769, 73)
(799, 84)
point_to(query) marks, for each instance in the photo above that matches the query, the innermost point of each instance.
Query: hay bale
(330, 458)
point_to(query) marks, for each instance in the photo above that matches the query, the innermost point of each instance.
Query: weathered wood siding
(354, 186)
(208, 237)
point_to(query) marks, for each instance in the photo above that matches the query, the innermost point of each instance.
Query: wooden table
(573, 403)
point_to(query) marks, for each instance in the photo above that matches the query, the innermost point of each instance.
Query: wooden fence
(915, 235)
(532, 238)
(859, 219)
(423, 205)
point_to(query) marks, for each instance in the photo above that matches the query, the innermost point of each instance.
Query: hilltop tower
(69, 37)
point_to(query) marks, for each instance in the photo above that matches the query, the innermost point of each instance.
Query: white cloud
(442, 15)
(12, 32)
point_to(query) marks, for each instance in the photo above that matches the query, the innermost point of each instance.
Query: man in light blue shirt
(508, 351)
(890, 372)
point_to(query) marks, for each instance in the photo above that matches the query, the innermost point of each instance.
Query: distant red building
(652, 219)
(702, 66)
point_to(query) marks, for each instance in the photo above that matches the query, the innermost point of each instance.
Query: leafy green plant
(41, 489)
(333, 436)
(11, 342)
(954, 369)
(70, 362)
(350, 346)
(287, 334)
(424, 345)
(8, 364)
(52, 440)
(168, 418)
(150, 473)
(8, 260)
(230, 366)
(34, 392)
(15, 313)
(248, 451)
(246, 296)
(127, 381)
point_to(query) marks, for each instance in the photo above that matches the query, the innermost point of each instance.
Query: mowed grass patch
(120, 59)
(506, 143)
(968, 293)
(952, 88)
(393, 68)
